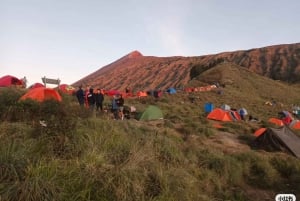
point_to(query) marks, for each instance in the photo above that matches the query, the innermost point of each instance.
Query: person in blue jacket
(115, 107)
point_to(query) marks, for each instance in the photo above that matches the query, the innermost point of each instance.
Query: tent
(208, 107)
(295, 124)
(279, 139)
(259, 131)
(112, 92)
(223, 115)
(171, 90)
(189, 89)
(286, 117)
(41, 94)
(243, 110)
(65, 88)
(285, 114)
(142, 94)
(225, 107)
(8, 81)
(276, 121)
(151, 113)
(36, 85)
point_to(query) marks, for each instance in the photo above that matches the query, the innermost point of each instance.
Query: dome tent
(8, 81)
(150, 113)
(41, 94)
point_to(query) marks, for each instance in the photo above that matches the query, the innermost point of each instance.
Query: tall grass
(77, 156)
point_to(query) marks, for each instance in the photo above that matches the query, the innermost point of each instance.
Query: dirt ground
(227, 142)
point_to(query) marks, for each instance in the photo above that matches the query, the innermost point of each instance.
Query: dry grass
(183, 157)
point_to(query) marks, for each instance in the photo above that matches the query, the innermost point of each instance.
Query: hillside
(280, 62)
(80, 155)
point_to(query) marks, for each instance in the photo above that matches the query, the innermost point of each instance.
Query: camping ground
(79, 156)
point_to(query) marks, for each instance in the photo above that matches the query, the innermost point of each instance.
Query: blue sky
(69, 39)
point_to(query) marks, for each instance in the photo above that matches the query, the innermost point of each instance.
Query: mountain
(279, 62)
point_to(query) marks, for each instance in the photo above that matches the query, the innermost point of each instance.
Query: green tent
(151, 113)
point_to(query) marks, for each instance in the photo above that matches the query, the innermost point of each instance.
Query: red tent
(8, 80)
(41, 94)
(36, 85)
(112, 92)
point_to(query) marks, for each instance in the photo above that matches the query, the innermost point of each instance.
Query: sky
(70, 39)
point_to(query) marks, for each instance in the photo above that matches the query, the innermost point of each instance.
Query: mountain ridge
(139, 72)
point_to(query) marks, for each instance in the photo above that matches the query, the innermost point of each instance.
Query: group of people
(90, 99)
(93, 100)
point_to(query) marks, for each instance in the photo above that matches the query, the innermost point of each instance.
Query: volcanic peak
(134, 54)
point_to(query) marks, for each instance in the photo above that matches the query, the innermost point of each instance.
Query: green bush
(8, 99)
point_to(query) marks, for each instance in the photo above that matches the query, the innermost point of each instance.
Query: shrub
(262, 174)
(34, 185)
(8, 98)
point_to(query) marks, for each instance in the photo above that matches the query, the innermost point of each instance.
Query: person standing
(99, 97)
(80, 96)
(86, 93)
(120, 103)
(242, 114)
(114, 107)
(91, 99)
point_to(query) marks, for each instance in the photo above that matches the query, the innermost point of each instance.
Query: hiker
(127, 90)
(242, 114)
(80, 96)
(99, 97)
(86, 92)
(120, 103)
(91, 99)
(114, 107)
(287, 120)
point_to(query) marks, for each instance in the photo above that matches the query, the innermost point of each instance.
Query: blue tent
(171, 90)
(208, 107)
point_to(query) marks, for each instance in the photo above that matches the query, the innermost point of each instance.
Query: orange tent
(222, 115)
(65, 88)
(295, 124)
(259, 131)
(141, 94)
(41, 94)
(276, 121)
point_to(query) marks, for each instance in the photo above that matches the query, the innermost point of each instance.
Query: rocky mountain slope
(279, 62)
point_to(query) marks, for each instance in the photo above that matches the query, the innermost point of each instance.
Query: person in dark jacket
(91, 99)
(80, 96)
(99, 100)
(120, 103)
